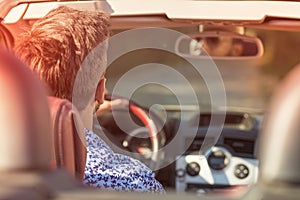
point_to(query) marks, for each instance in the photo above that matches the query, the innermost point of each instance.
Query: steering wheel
(141, 135)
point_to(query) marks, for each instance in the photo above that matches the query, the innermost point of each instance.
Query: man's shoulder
(94, 141)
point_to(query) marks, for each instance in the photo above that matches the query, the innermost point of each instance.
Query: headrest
(280, 139)
(25, 132)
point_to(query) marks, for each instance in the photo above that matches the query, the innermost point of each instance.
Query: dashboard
(196, 154)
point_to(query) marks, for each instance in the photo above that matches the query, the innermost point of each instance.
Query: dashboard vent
(240, 146)
(196, 143)
(230, 119)
(239, 120)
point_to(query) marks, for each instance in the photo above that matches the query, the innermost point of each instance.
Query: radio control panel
(217, 167)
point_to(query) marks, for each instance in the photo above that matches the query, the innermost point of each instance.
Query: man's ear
(100, 92)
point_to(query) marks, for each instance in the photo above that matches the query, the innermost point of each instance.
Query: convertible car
(211, 106)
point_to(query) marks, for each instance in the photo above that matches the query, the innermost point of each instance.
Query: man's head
(223, 46)
(57, 45)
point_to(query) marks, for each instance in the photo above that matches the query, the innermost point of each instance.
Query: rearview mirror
(219, 45)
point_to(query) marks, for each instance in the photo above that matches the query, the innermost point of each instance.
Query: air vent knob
(218, 160)
(193, 169)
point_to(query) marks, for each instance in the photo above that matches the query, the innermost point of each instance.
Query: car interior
(212, 101)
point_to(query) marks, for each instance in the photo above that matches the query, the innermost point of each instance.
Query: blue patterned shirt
(108, 170)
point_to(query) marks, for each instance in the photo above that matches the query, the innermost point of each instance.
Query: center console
(231, 161)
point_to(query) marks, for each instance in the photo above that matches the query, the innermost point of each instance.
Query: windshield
(247, 83)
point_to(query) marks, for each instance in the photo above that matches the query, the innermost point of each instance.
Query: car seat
(68, 136)
(26, 137)
(25, 141)
(279, 147)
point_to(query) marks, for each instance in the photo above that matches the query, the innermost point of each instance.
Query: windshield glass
(248, 83)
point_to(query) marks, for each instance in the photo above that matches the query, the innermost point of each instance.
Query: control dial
(241, 171)
(217, 159)
(192, 169)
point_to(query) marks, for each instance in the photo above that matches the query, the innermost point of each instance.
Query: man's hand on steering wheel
(109, 105)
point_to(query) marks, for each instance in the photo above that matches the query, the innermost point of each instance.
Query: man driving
(67, 49)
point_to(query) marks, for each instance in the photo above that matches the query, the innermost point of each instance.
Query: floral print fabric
(108, 170)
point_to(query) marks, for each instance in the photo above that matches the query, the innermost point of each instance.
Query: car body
(208, 112)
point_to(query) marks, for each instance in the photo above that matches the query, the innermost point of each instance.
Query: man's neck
(87, 117)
